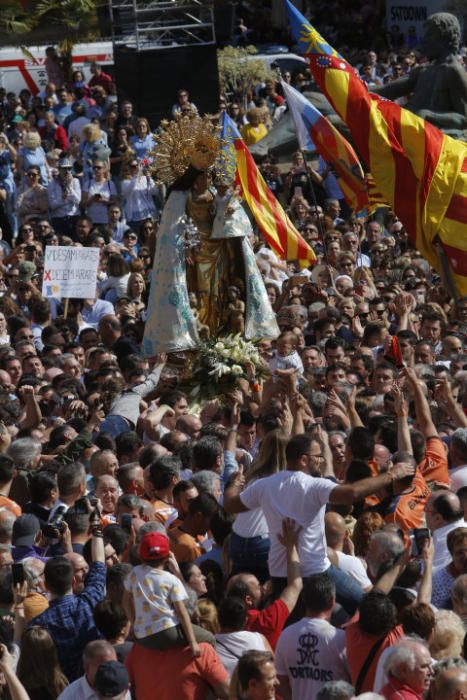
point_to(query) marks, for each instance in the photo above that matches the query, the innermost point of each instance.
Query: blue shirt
(142, 147)
(70, 623)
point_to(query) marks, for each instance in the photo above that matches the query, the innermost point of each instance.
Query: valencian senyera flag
(421, 172)
(314, 131)
(276, 227)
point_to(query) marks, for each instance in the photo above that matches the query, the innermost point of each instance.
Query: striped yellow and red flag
(276, 227)
(421, 172)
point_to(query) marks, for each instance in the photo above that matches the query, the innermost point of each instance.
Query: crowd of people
(301, 537)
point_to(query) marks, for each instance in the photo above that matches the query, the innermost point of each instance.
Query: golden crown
(186, 140)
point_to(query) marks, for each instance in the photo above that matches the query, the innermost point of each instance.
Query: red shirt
(58, 136)
(395, 690)
(269, 621)
(103, 80)
(174, 673)
(359, 645)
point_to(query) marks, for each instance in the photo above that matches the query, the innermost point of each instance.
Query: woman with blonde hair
(31, 154)
(255, 129)
(92, 147)
(299, 210)
(142, 142)
(38, 667)
(363, 279)
(249, 541)
(207, 616)
(136, 288)
(448, 635)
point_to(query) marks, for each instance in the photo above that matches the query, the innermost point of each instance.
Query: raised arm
(446, 400)
(401, 410)
(289, 539)
(422, 409)
(232, 501)
(346, 494)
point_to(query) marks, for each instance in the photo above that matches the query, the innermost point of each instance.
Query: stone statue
(437, 91)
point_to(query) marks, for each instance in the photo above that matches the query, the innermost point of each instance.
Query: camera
(57, 521)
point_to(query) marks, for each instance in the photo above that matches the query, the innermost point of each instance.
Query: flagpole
(315, 202)
(309, 179)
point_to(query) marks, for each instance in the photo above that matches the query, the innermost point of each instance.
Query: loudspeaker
(151, 79)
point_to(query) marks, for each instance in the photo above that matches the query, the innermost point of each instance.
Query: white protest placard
(69, 272)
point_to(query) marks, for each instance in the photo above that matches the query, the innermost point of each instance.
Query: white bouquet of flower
(219, 364)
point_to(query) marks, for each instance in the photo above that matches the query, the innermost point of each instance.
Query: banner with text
(70, 273)
(409, 17)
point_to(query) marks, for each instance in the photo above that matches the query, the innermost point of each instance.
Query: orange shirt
(164, 512)
(408, 509)
(434, 466)
(184, 546)
(174, 673)
(10, 505)
(359, 645)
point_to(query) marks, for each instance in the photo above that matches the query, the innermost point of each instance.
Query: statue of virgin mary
(215, 266)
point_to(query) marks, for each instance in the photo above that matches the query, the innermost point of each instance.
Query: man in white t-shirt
(299, 493)
(312, 652)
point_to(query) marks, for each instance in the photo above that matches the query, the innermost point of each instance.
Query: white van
(18, 71)
(291, 62)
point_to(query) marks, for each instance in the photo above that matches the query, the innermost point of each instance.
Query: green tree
(64, 22)
(239, 71)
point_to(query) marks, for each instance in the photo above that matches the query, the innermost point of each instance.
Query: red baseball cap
(154, 545)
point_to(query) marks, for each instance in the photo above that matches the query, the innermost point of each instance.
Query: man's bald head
(451, 684)
(443, 507)
(247, 587)
(334, 525)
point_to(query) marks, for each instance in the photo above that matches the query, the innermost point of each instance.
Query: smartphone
(18, 573)
(419, 537)
(126, 522)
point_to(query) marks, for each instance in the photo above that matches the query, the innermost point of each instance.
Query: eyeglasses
(320, 458)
